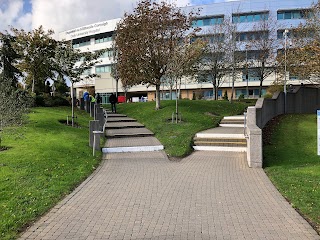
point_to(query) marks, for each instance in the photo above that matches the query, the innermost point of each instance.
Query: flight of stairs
(229, 136)
(125, 134)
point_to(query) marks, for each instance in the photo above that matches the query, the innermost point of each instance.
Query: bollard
(100, 118)
(92, 109)
(82, 104)
(93, 126)
(96, 141)
(87, 106)
(96, 109)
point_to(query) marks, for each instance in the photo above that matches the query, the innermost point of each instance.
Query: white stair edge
(231, 125)
(241, 117)
(224, 149)
(133, 149)
(219, 135)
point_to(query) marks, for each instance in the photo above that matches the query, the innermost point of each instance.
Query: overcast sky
(61, 15)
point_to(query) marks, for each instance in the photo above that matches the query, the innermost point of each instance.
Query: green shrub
(50, 101)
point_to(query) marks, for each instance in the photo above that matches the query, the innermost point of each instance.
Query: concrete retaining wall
(299, 100)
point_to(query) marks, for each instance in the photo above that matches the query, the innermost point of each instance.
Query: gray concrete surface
(208, 195)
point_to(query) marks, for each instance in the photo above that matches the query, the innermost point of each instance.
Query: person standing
(113, 100)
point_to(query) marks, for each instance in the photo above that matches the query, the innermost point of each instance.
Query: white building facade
(287, 14)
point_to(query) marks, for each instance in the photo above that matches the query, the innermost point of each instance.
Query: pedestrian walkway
(143, 195)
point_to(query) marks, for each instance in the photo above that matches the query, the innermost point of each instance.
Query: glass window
(250, 18)
(257, 17)
(296, 15)
(287, 15)
(235, 19)
(243, 18)
(280, 16)
(206, 22)
(243, 37)
(219, 20)
(199, 23)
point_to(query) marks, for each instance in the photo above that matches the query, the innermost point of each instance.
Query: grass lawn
(292, 164)
(45, 161)
(197, 115)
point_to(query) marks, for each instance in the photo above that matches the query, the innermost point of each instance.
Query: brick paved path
(144, 196)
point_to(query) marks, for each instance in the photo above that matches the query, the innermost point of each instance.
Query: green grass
(197, 115)
(292, 163)
(45, 161)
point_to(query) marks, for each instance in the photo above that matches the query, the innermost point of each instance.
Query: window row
(103, 69)
(249, 17)
(107, 54)
(210, 38)
(293, 14)
(200, 22)
(250, 36)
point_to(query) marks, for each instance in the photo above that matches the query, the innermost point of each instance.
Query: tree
(215, 63)
(184, 57)
(146, 40)
(37, 51)
(302, 56)
(262, 48)
(9, 58)
(14, 103)
(72, 63)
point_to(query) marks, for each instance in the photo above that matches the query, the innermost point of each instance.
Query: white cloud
(11, 14)
(61, 15)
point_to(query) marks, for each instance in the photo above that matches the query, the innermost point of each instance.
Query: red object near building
(121, 99)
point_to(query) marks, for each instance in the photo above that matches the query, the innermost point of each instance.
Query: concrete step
(115, 115)
(131, 142)
(128, 132)
(237, 117)
(220, 148)
(225, 144)
(224, 121)
(119, 125)
(231, 125)
(120, 119)
(226, 140)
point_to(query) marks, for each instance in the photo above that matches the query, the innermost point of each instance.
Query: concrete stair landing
(127, 135)
(229, 136)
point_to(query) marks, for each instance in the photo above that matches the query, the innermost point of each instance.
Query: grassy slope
(46, 160)
(196, 116)
(292, 163)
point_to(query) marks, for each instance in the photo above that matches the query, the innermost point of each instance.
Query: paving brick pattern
(145, 196)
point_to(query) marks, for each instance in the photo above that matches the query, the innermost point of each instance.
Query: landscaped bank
(292, 163)
(45, 160)
(197, 115)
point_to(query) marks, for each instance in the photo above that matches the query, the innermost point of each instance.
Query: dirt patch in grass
(69, 123)
(269, 129)
(3, 148)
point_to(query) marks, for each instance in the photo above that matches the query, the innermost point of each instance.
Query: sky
(61, 15)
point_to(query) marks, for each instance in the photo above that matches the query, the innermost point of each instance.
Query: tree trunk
(232, 89)
(260, 87)
(72, 105)
(158, 97)
(117, 83)
(177, 110)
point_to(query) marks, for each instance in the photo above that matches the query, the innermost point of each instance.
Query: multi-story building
(287, 14)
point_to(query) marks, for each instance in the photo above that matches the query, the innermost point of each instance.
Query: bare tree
(146, 40)
(262, 48)
(185, 56)
(214, 65)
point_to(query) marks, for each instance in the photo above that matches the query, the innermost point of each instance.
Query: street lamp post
(285, 34)
(247, 72)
